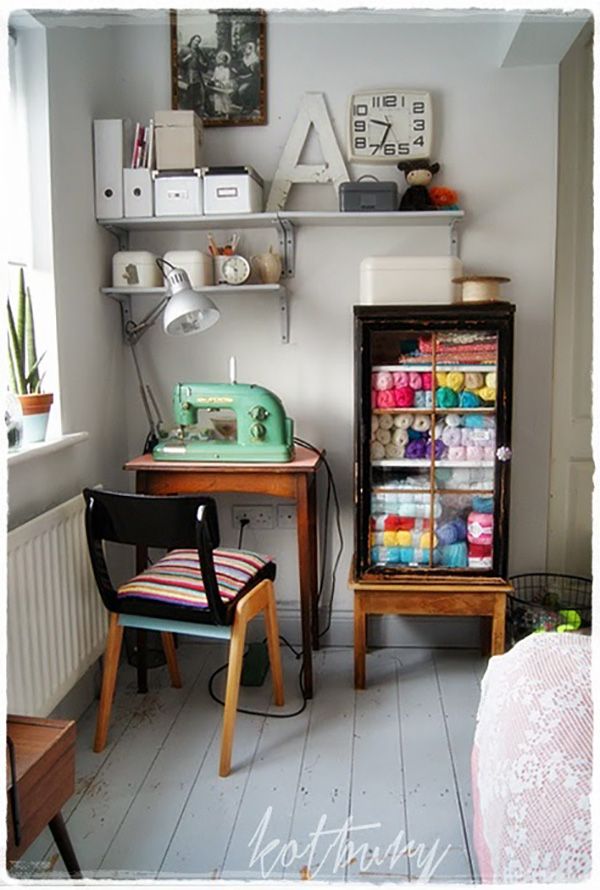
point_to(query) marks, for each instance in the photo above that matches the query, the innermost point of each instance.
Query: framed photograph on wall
(218, 61)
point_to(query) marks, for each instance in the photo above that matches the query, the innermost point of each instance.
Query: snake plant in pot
(24, 366)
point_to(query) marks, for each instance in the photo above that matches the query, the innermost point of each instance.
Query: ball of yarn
(483, 504)
(456, 452)
(400, 378)
(455, 380)
(403, 421)
(374, 423)
(391, 523)
(426, 380)
(414, 434)
(474, 452)
(383, 380)
(453, 419)
(490, 379)
(393, 451)
(475, 421)
(415, 450)
(446, 533)
(451, 436)
(404, 538)
(473, 380)
(400, 437)
(428, 540)
(438, 429)
(468, 399)
(480, 551)
(404, 396)
(386, 421)
(386, 398)
(438, 446)
(423, 398)
(377, 451)
(422, 423)
(389, 539)
(440, 378)
(446, 397)
(455, 555)
(487, 394)
(406, 523)
(489, 452)
(414, 380)
(480, 528)
(383, 436)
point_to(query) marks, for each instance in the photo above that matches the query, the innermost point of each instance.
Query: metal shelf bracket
(453, 235)
(284, 310)
(287, 246)
(122, 235)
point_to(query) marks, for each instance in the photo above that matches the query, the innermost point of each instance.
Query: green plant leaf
(16, 355)
(32, 360)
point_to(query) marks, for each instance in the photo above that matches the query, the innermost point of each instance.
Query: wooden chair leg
(168, 645)
(498, 624)
(65, 847)
(360, 642)
(109, 679)
(234, 673)
(272, 626)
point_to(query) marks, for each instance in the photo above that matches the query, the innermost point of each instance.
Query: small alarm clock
(236, 269)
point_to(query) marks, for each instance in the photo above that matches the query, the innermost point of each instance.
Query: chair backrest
(169, 521)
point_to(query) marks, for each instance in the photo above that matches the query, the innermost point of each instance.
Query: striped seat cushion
(176, 579)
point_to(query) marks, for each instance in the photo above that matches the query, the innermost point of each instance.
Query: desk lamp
(186, 311)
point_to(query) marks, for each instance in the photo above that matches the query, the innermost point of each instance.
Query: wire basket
(545, 601)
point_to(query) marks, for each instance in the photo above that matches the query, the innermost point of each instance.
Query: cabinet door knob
(503, 453)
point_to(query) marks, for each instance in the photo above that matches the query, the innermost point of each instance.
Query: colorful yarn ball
(480, 528)
(423, 398)
(394, 451)
(451, 436)
(473, 380)
(403, 421)
(426, 380)
(414, 380)
(456, 452)
(489, 452)
(400, 378)
(487, 394)
(474, 452)
(490, 379)
(438, 446)
(483, 504)
(453, 419)
(455, 556)
(391, 523)
(475, 421)
(386, 398)
(469, 400)
(422, 423)
(404, 538)
(480, 551)
(404, 396)
(440, 378)
(455, 380)
(386, 421)
(383, 380)
(416, 449)
(400, 437)
(446, 397)
(428, 540)
(389, 539)
(414, 434)
(383, 436)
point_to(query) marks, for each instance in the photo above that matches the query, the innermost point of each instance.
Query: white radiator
(56, 624)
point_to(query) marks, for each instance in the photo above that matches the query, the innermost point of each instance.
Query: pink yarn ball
(414, 380)
(386, 398)
(456, 452)
(489, 452)
(405, 396)
(400, 379)
(383, 380)
(426, 380)
(474, 452)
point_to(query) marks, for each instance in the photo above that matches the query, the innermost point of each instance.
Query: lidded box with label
(232, 190)
(198, 265)
(178, 140)
(136, 268)
(412, 280)
(178, 194)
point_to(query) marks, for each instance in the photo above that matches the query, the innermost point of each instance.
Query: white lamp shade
(188, 311)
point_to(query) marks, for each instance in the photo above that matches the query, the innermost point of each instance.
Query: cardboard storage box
(198, 265)
(178, 137)
(232, 190)
(136, 268)
(410, 280)
(178, 194)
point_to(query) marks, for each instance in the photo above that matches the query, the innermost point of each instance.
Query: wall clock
(388, 125)
(236, 269)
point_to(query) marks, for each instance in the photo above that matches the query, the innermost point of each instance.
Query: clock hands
(387, 126)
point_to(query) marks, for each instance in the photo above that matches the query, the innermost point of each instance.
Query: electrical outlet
(286, 516)
(261, 516)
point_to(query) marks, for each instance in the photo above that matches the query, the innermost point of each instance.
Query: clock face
(386, 126)
(236, 269)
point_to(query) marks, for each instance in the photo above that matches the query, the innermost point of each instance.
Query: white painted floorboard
(377, 769)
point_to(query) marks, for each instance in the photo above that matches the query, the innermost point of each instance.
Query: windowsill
(40, 449)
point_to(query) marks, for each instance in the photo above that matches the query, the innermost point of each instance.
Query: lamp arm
(134, 330)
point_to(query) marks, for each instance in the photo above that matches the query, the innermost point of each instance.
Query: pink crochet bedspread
(532, 762)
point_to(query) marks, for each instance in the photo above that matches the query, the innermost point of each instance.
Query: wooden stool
(426, 596)
(44, 777)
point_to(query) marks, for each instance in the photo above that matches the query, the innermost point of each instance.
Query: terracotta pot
(36, 410)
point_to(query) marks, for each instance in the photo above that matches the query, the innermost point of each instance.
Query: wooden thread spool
(480, 288)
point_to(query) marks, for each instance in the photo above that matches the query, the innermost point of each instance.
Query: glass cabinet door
(432, 449)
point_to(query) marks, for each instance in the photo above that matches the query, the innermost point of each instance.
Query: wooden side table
(426, 596)
(44, 760)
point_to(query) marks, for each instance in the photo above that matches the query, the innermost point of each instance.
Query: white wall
(495, 137)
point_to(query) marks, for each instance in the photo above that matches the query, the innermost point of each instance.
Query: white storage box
(178, 195)
(401, 279)
(232, 190)
(178, 136)
(198, 265)
(136, 268)
(137, 192)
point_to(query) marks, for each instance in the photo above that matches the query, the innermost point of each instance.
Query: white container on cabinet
(198, 265)
(410, 280)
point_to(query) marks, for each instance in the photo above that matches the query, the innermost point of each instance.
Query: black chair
(196, 589)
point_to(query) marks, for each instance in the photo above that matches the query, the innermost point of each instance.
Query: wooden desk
(45, 780)
(294, 480)
(427, 596)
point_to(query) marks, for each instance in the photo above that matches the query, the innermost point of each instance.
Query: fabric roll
(394, 451)
(386, 421)
(382, 380)
(383, 436)
(473, 380)
(446, 397)
(469, 400)
(404, 396)
(400, 437)
(422, 423)
(386, 398)
(400, 378)
(403, 421)
(455, 380)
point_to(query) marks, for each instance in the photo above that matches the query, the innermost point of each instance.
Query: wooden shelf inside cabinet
(124, 294)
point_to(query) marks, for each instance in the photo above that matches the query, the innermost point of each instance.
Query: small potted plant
(26, 381)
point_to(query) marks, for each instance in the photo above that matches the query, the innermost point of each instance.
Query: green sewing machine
(243, 422)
